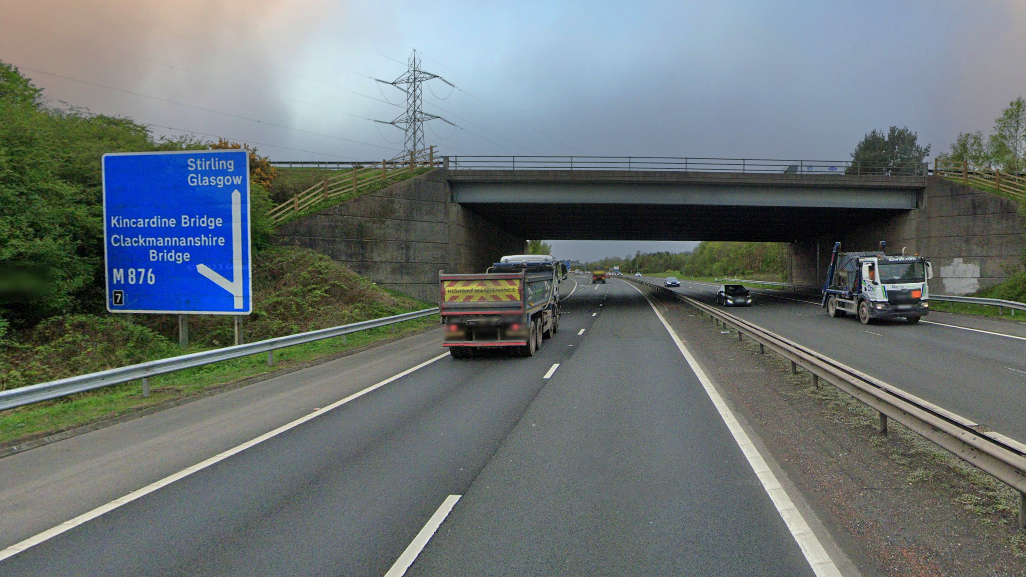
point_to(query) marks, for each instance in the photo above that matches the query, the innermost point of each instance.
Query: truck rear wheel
(832, 309)
(532, 343)
(864, 317)
(539, 333)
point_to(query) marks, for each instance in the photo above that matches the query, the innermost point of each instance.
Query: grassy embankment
(295, 290)
(291, 181)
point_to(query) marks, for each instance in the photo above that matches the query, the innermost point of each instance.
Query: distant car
(671, 281)
(734, 295)
(637, 274)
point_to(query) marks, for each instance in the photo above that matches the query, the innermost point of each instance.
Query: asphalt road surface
(978, 373)
(617, 464)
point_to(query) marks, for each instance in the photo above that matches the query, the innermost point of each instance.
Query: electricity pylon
(412, 121)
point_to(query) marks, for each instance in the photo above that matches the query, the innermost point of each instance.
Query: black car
(732, 295)
(671, 281)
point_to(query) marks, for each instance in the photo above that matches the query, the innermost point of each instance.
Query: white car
(637, 274)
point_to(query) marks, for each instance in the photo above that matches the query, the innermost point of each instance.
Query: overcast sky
(783, 79)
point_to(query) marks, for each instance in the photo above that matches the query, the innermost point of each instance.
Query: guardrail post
(445, 162)
(815, 380)
(146, 387)
(762, 349)
(739, 336)
(1022, 510)
(794, 368)
(883, 424)
(270, 358)
(183, 331)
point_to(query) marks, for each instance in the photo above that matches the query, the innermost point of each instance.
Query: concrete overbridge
(589, 204)
(473, 210)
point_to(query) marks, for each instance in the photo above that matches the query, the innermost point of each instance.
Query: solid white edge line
(923, 321)
(421, 540)
(102, 509)
(551, 371)
(815, 554)
(580, 332)
(974, 330)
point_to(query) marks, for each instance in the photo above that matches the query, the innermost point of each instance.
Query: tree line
(51, 200)
(710, 258)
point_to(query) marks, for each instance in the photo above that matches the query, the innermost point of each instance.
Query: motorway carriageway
(978, 373)
(605, 454)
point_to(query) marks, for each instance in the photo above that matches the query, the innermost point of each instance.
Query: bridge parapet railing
(684, 164)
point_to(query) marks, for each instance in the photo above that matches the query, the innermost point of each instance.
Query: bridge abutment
(974, 239)
(402, 235)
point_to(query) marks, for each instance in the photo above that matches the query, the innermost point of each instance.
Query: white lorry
(873, 285)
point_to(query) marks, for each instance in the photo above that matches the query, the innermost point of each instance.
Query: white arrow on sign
(235, 285)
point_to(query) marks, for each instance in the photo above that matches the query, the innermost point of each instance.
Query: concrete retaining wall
(401, 236)
(974, 239)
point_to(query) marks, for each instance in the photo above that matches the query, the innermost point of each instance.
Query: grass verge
(42, 420)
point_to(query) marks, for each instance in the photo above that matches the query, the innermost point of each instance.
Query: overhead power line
(412, 121)
(200, 74)
(199, 39)
(248, 141)
(500, 111)
(228, 114)
(484, 129)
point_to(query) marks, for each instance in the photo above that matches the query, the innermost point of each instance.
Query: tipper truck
(598, 275)
(873, 285)
(514, 305)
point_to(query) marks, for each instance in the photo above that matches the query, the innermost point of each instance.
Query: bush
(77, 344)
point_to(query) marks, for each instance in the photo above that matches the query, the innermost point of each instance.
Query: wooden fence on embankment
(351, 182)
(988, 179)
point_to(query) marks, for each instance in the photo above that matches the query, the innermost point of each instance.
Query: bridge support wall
(401, 236)
(974, 239)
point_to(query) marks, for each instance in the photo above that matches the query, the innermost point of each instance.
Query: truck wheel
(532, 343)
(832, 309)
(912, 319)
(555, 324)
(864, 313)
(457, 352)
(538, 333)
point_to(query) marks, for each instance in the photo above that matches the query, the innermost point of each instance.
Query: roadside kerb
(1000, 456)
(82, 383)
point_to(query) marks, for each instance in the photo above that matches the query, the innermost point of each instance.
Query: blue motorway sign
(176, 232)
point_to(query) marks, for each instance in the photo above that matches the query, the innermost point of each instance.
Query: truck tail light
(514, 327)
(917, 294)
(454, 328)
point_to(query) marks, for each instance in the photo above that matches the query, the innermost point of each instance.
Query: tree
(1008, 143)
(896, 153)
(15, 88)
(538, 247)
(260, 169)
(970, 147)
(261, 175)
